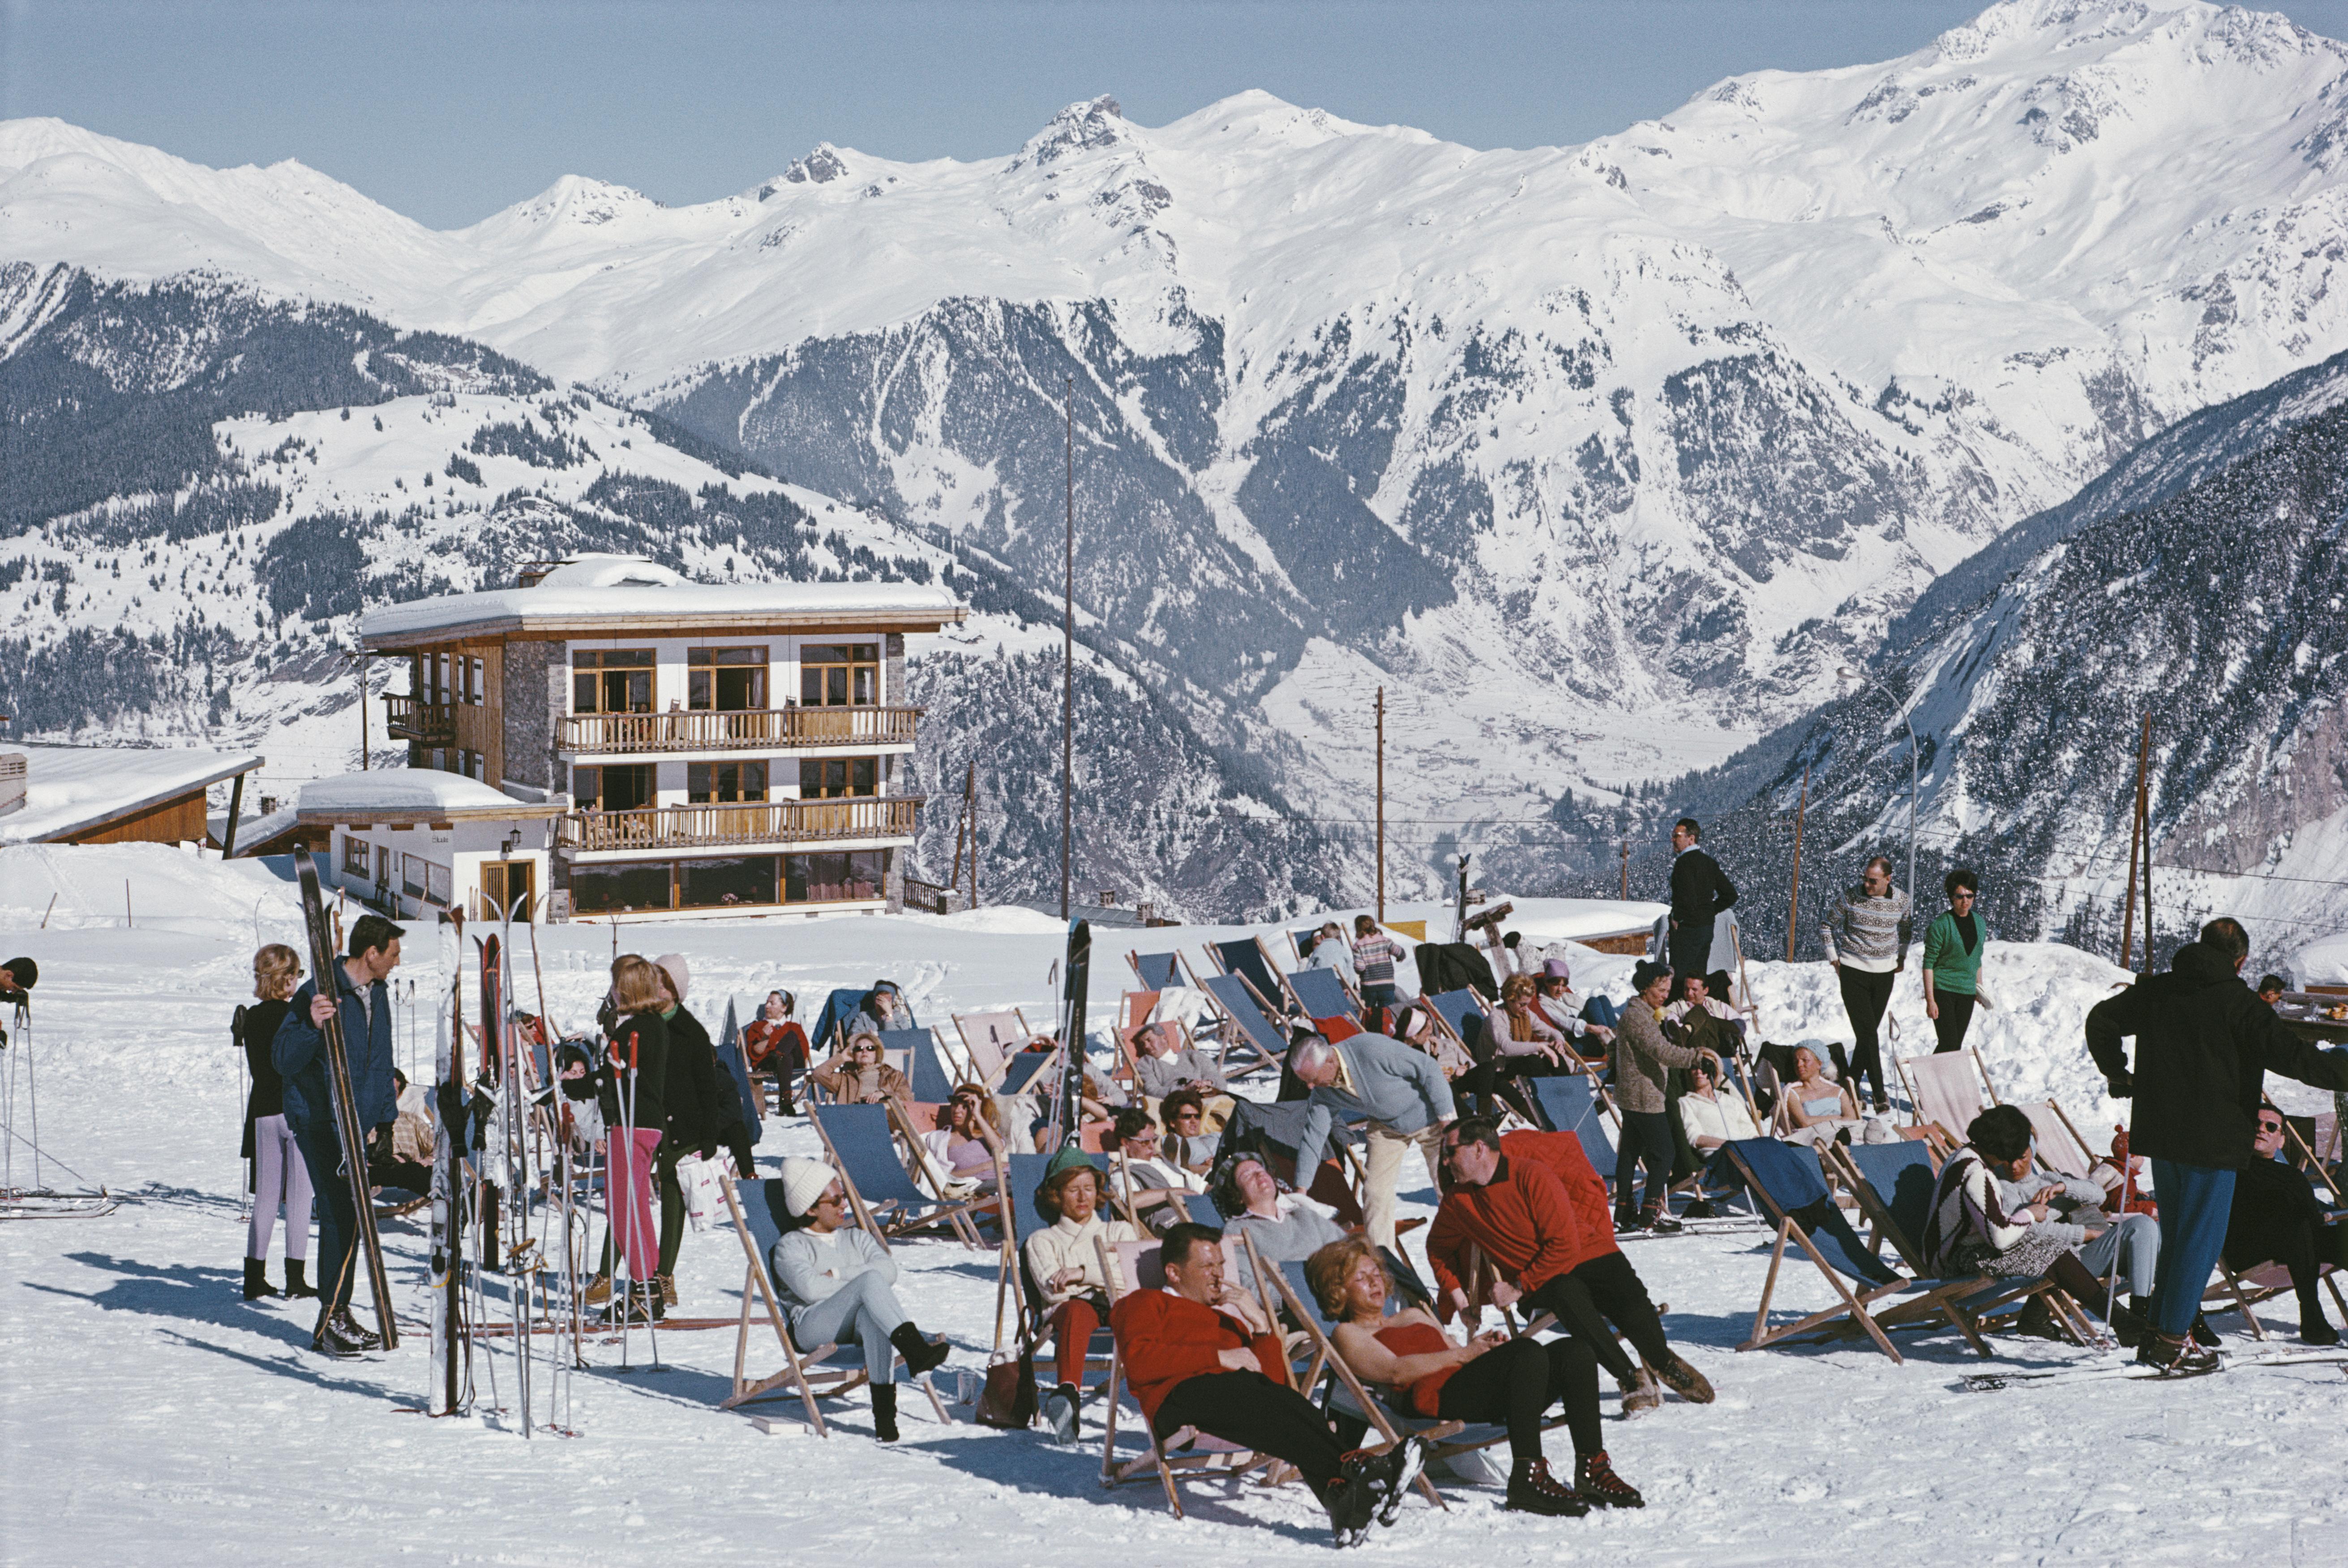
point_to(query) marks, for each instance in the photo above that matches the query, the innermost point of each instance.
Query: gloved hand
(2121, 1084)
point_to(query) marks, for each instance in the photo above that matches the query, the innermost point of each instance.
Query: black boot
(348, 1328)
(328, 1341)
(1533, 1490)
(256, 1279)
(884, 1411)
(297, 1285)
(2203, 1335)
(922, 1355)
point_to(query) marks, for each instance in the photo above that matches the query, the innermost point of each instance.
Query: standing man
(1700, 892)
(298, 1052)
(1397, 1088)
(2204, 1046)
(1867, 930)
(1953, 945)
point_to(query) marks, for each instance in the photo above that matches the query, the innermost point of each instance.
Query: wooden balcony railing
(412, 719)
(731, 826)
(747, 730)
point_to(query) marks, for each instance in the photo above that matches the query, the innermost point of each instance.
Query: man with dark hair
(2275, 1218)
(2204, 1046)
(1199, 1354)
(1700, 892)
(364, 1000)
(2271, 989)
(1531, 1203)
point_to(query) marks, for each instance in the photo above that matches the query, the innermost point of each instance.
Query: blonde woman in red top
(1490, 1378)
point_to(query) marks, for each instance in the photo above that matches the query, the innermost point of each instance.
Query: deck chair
(989, 1040)
(1787, 1182)
(1322, 993)
(1258, 1031)
(926, 1065)
(1947, 1089)
(1020, 1077)
(1156, 971)
(1134, 1265)
(805, 1373)
(2060, 1147)
(861, 1143)
(1571, 1105)
(1022, 1175)
(1249, 958)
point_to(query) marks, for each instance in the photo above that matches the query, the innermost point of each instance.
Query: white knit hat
(804, 1181)
(675, 964)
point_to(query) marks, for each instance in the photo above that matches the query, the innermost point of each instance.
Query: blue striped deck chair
(1158, 971)
(1247, 956)
(861, 1143)
(737, 1063)
(1323, 994)
(1201, 1209)
(1022, 1177)
(1462, 1013)
(1258, 1033)
(806, 1374)
(928, 1072)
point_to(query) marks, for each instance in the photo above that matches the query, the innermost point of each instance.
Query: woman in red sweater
(1492, 1378)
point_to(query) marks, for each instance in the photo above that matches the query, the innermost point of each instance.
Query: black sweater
(256, 1026)
(1700, 890)
(693, 1115)
(650, 1037)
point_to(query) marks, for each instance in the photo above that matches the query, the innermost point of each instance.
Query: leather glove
(2121, 1084)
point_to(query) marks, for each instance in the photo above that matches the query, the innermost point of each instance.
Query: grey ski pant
(864, 1311)
(2135, 1241)
(278, 1172)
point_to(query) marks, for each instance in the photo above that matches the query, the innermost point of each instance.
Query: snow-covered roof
(401, 794)
(74, 790)
(595, 596)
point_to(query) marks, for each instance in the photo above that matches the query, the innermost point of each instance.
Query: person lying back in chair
(1490, 1378)
(1153, 1186)
(2276, 1219)
(1201, 1354)
(1286, 1228)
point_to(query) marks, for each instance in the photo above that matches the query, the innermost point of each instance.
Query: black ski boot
(297, 1283)
(922, 1355)
(1388, 1475)
(256, 1279)
(1060, 1413)
(1594, 1479)
(328, 1341)
(2203, 1335)
(2176, 1356)
(1350, 1507)
(1533, 1490)
(884, 1411)
(348, 1328)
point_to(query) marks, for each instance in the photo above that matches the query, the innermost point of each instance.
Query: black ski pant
(1517, 1383)
(1956, 1017)
(1251, 1411)
(339, 1222)
(1690, 948)
(1646, 1139)
(1598, 1297)
(1865, 996)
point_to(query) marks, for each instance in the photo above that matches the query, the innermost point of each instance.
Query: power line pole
(360, 660)
(970, 814)
(1068, 661)
(1381, 805)
(2137, 837)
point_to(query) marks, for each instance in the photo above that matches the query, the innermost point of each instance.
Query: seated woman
(1492, 1378)
(1525, 1044)
(1817, 1109)
(1063, 1261)
(882, 1009)
(1188, 1144)
(860, 1077)
(1154, 1187)
(1284, 1227)
(1589, 1022)
(1711, 1115)
(836, 1285)
(968, 1138)
(777, 1046)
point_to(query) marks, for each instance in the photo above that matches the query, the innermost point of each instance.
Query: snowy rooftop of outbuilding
(389, 794)
(602, 595)
(73, 790)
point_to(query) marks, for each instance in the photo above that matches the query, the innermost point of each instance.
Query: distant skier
(1700, 893)
(299, 1055)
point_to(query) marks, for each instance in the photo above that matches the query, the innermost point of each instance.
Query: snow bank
(170, 888)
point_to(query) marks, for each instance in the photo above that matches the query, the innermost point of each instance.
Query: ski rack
(35, 1201)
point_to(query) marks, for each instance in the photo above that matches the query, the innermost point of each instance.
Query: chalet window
(476, 681)
(383, 866)
(601, 889)
(628, 788)
(612, 681)
(831, 778)
(716, 784)
(832, 878)
(726, 680)
(839, 675)
(355, 856)
(716, 884)
(411, 876)
(435, 883)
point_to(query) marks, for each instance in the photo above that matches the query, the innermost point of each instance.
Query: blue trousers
(2195, 1203)
(1601, 1013)
(338, 1224)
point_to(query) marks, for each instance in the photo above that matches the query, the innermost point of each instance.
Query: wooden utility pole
(969, 816)
(1381, 805)
(1068, 662)
(1626, 871)
(1794, 895)
(2138, 836)
(359, 660)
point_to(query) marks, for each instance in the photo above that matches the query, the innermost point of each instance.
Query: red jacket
(1543, 1214)
(1164, 1338)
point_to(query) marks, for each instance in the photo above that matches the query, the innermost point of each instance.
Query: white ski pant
(1383, 1162)
(864, 1311)
(278, 1173)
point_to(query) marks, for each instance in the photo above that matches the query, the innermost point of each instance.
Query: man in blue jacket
(299, 1055)
(1397, 1088)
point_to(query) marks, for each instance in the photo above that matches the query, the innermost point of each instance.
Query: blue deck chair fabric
(1200, 1206)
(1564, 1098)
(1257, 1029)
(1158, 971)
(1323, 994)
(1902, 1176)
(1304, 941)
(738, 1067)
(1246, 958)
(1464, 1013)
(861, 1137)
(837, 1009)
(1019, 1072)
(929, 1074)
(1024, 1174)
(1791, 1186)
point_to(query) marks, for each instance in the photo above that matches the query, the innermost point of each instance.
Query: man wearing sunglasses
(2204, 1045)
(2277, 1219)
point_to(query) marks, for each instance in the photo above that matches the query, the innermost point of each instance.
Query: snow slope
(149, 1409)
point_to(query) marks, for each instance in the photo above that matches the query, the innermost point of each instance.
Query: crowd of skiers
(1524, 1221)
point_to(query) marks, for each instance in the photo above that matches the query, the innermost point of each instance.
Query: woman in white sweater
(1063, 1261)
(836, 1282)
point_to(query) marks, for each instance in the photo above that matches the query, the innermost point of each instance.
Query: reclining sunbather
(1286, 1228)
(1820, 1109)
(1190, 1141)
(1063, 1261)
(2276, 1219)
(1154, 1186)
(969, 1136)
(1492, 1378)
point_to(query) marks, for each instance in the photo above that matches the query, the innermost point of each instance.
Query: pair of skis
(2104, 1371)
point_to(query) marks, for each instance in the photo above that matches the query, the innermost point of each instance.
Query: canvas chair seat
(860, 1142)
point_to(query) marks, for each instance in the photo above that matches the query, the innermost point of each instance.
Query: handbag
(697, 1183)
(1008, 1400)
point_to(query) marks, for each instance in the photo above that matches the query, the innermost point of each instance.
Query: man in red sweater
(1531, 1203)
(1198, 1355)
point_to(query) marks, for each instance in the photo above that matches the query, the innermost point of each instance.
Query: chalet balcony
(784, 822)
(743, 730)
(427, 724)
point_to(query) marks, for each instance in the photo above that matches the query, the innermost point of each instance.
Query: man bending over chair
(1398, 1090)
(1199, 1355)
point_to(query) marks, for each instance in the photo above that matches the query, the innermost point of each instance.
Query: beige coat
(1066, 1244)
(1642, 1057)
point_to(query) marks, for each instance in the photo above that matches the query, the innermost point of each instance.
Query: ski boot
(1594, 1479)
(1533, 1490)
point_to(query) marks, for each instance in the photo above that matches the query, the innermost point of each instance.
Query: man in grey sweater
(1867, 930)
(1398, 1090)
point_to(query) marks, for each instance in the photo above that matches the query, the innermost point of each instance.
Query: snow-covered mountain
(1600, 458)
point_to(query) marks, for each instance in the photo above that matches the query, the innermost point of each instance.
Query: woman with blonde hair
(277, 1171)
(860, 1075)
(639, 1057)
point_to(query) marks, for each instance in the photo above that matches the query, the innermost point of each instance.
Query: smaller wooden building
(116, 795)
(415, 841)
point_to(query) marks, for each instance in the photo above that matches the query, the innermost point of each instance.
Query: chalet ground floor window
(720, 883)
(355, 856)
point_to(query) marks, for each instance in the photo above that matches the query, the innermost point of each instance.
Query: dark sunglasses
(2267, 1126)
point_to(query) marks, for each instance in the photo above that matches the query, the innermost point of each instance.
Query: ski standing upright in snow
(1076, 975)
(448, 1152)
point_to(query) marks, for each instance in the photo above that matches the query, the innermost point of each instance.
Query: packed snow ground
(149, 1408)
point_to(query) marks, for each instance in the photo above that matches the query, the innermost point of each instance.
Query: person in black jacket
(2276, 1219)
(278, 1173)
(2204, 1045)
(1699, 893)
(638, 1051)
(695, 1109)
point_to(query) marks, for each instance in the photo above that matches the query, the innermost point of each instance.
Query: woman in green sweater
(1952, 959)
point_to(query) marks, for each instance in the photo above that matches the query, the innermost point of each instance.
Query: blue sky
(450, 111)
